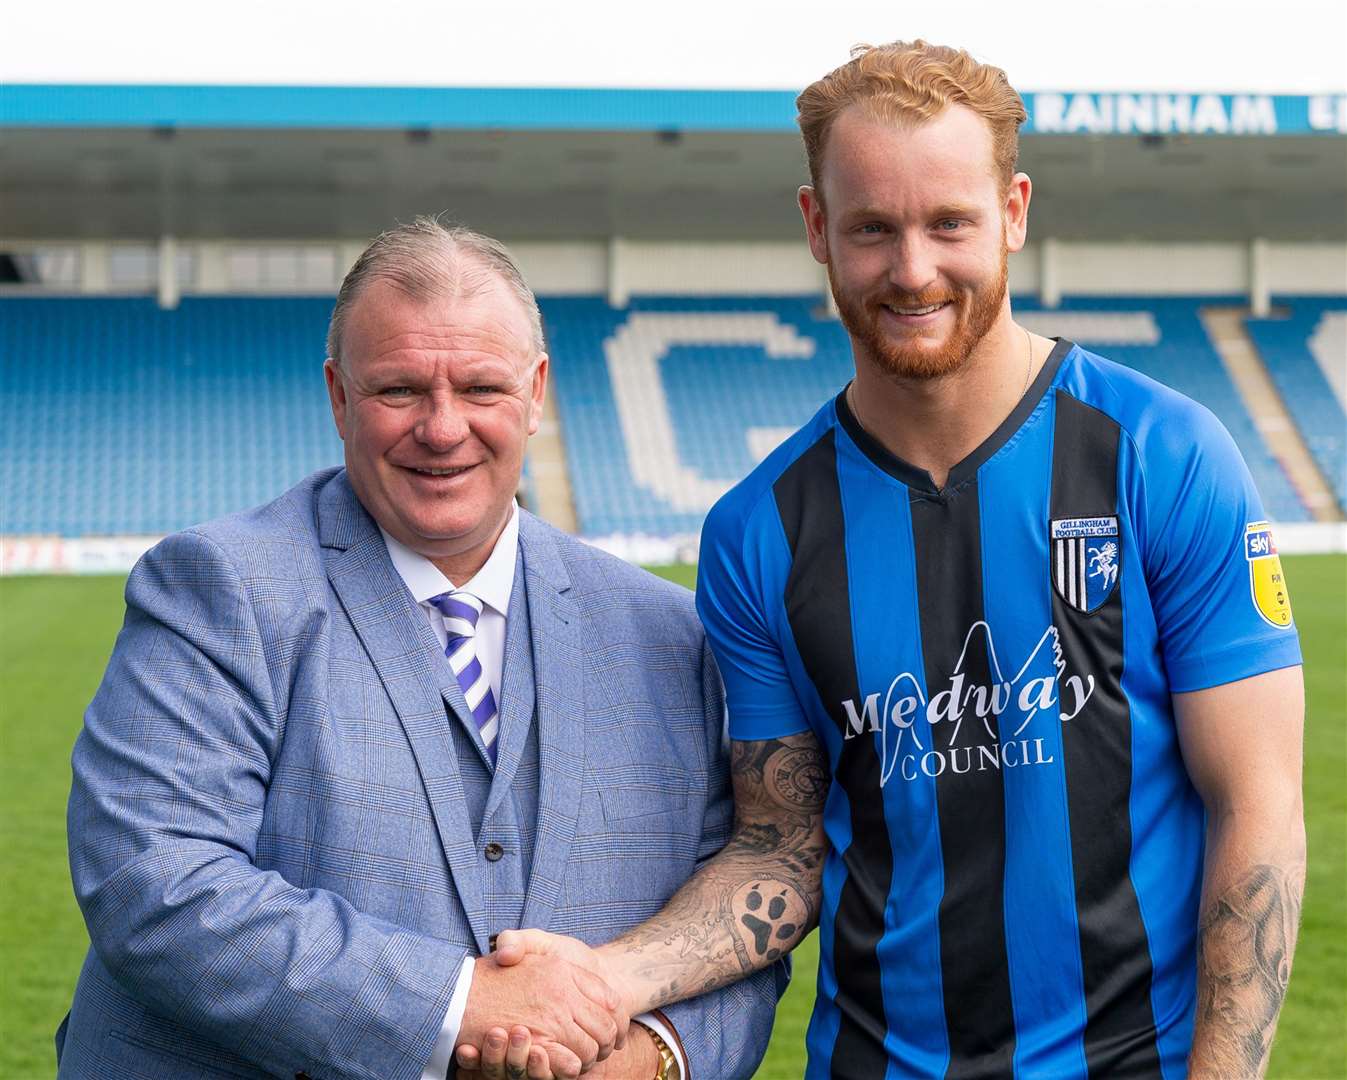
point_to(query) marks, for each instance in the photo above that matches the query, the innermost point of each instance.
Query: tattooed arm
(740, 912)
(755, 900)
(1242, 746)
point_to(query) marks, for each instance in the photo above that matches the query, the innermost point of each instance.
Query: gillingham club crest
(1266, 582)
(1086, 560)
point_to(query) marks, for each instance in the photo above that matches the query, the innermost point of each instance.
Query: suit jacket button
(493, 851)
(302, 1076)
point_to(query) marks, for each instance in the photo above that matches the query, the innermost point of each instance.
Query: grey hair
(427, 258)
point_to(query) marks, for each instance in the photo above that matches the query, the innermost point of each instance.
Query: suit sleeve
(171, 775)
(725, 1033)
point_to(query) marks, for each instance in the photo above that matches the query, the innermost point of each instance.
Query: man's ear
(811, 209)
(1016, 211)
(538, 393)
(336, 394)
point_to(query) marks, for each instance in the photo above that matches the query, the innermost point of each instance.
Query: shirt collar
(492, 584)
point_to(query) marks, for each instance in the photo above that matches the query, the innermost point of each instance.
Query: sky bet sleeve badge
(1086, 556)
(1266, 582)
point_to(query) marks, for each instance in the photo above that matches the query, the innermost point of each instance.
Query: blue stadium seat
(727, 400)
(120, 418)
(1296, 349)
(716, 383)
(1185, 359)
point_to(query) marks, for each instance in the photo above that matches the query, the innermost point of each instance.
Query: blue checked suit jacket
(271, 824)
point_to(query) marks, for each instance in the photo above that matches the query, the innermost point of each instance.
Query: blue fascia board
(594, 109)
(458, 108)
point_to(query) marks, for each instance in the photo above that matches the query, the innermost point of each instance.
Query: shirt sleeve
(1216, 582)
(437, 1068)
(657, 1023)
(734, 556)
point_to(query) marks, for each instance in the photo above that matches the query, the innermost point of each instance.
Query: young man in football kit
(1012, 678)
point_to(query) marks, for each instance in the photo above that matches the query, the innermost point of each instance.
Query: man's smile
(438, 472)
(912, 316)
(909, 311)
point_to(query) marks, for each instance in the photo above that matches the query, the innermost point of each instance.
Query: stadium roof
(269, 183)
(277, 119)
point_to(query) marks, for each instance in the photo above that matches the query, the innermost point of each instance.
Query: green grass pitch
(55, 636)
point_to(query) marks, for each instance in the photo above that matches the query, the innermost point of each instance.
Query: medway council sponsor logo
(911, 726)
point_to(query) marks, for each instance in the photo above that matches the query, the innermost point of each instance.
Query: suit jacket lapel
(402, 649)
(559, 656)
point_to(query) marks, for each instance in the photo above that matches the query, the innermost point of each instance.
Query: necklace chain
(1029, 371)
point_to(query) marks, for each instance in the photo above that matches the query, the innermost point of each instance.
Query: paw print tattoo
(763, 931)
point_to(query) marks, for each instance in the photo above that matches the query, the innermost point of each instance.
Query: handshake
(545, 1006)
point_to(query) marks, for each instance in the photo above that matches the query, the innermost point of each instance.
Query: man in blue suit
(345, 738)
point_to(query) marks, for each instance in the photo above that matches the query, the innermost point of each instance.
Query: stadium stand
(731, 377)
(1180, 355)
(122, 418)
(736, 375)
(1304, 353)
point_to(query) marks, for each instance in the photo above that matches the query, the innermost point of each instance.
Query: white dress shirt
(492, 585)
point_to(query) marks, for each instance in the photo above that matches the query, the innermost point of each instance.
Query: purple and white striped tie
(461, 611)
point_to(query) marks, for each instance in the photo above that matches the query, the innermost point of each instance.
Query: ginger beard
(909, 356)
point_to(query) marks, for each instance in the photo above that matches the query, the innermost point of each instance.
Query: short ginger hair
(912, 82)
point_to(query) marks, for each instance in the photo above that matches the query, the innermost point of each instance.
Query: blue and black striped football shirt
(1016, 850)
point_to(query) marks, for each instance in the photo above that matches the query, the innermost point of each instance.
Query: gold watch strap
(668, 1064)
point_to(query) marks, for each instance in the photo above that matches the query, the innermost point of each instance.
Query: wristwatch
(668, 1064)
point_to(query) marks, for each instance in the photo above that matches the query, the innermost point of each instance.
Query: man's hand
(513, 945)
(505, 1056)
(744, 909)
(570, 1013)
(513, 1056)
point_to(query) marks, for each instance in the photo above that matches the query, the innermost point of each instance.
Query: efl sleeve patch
(1267, 583)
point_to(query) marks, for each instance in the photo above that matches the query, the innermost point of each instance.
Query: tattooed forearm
(1246, 940)
(757, 898)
